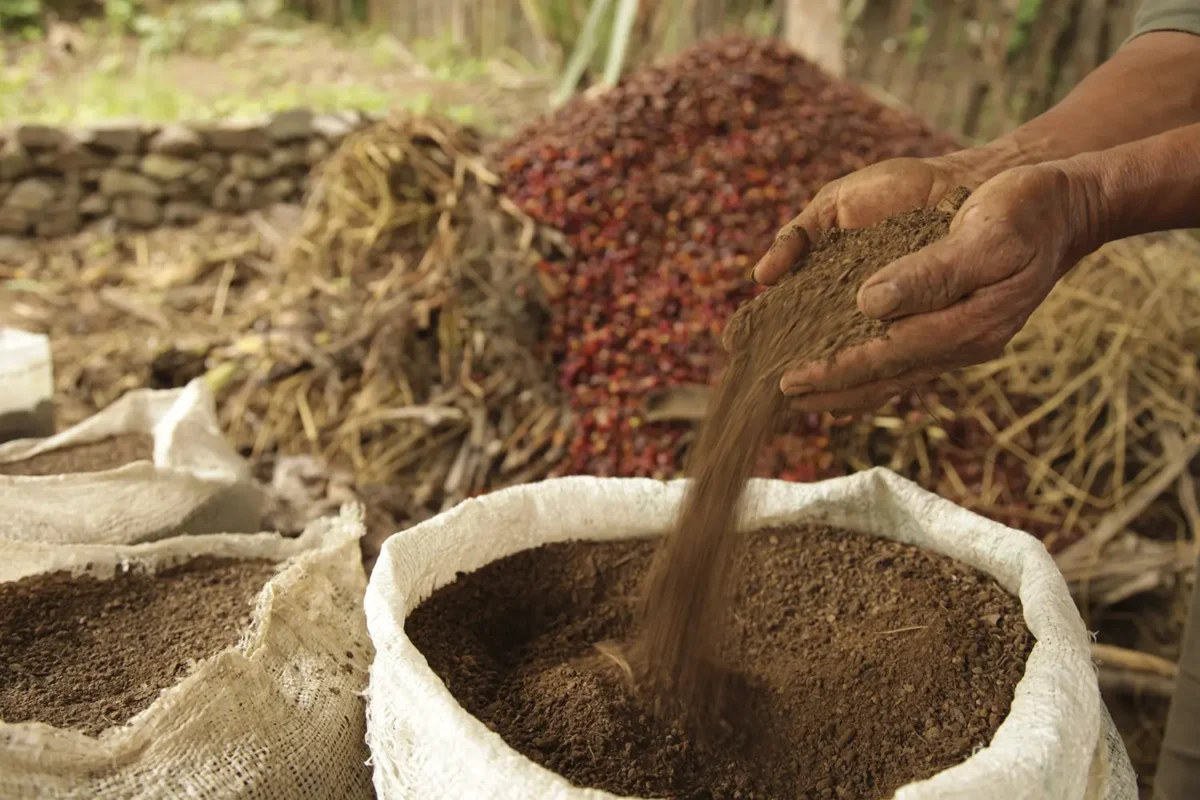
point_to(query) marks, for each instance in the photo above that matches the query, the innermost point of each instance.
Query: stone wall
(53, 181)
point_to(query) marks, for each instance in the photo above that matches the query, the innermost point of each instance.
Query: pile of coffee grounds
(103, 454)
(810, 315)
(865, 664)
(32, 423)
(89, 654)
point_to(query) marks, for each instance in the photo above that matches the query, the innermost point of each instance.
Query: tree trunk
(814, 29)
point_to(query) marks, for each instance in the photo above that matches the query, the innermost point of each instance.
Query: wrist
(1149, 185)
(977, 165)
(1089, 212)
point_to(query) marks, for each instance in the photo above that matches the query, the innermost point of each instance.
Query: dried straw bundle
(390, 332)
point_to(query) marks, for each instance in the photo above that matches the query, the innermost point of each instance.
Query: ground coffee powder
(88, 654)
(109, 453)
(865, 664)
(809, 316)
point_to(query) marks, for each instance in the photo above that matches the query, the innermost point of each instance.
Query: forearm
(1144, 186)
(1149, 86)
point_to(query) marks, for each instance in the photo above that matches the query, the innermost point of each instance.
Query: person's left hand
(959, 301)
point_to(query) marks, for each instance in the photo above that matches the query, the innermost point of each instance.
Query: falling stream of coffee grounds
(684, 600)
(810, 316)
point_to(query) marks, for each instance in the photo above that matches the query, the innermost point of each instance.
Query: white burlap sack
(1057, 741)
(279, 716)
(197, 482)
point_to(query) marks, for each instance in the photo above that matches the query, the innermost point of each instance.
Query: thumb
(934, 277)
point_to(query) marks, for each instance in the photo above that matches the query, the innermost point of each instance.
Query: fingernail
(795, 389)
(881, 299)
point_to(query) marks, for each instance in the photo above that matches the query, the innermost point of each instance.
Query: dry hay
(1083, 431)
(389, 333)
(1110, 359)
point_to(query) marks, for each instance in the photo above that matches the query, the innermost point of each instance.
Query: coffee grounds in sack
(811, 315)
(866, 664)
(104, 454)
(89, 654)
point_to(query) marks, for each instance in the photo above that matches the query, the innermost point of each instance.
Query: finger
(843, 404)
(980, 250)
(965, 333)
(943, 273)
(866, 397)
(793, 240)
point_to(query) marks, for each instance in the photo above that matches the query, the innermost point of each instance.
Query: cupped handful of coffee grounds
(812, 314)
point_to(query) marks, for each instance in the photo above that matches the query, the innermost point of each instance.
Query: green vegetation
(1027, 14)
(196, 61)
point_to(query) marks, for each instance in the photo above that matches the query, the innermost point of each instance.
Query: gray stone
(183, 213)
(233, 194)
(42, 137)
(179, 190)
(94, 205)
(32, 195)
(246, 165)
(127, 161)
(177, 140)
(275, 191)
(58, 223)
(14, 161)
(13, 220)
(204, 180)
(316, 151)
(288, 126)
(334, 127)
(116, 182)
(73, 157)
(117, 137)
(239, 136)
(167, 168)
(71, 192)
(214, 161)
(287, 156)
(139, 211)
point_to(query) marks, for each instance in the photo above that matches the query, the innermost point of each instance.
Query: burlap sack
(1057, 742)
(279, 716)
(197, 482)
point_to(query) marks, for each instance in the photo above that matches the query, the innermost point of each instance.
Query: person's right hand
(865, 198)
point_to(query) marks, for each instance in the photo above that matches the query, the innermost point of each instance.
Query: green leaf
(585, 48)
(626, 16)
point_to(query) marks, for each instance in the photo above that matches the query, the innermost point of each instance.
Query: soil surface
(89, 654)
(863, 664)
(110, 453)
(811, 315)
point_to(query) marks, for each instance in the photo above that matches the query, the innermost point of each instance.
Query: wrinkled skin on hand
(955, 303)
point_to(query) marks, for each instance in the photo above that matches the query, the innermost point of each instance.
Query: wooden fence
(972, 67)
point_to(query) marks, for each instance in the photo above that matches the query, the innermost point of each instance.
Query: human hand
(960, 300)
(867, 197)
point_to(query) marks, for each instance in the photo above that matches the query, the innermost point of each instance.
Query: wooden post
(1178, 774)
(814, 29)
